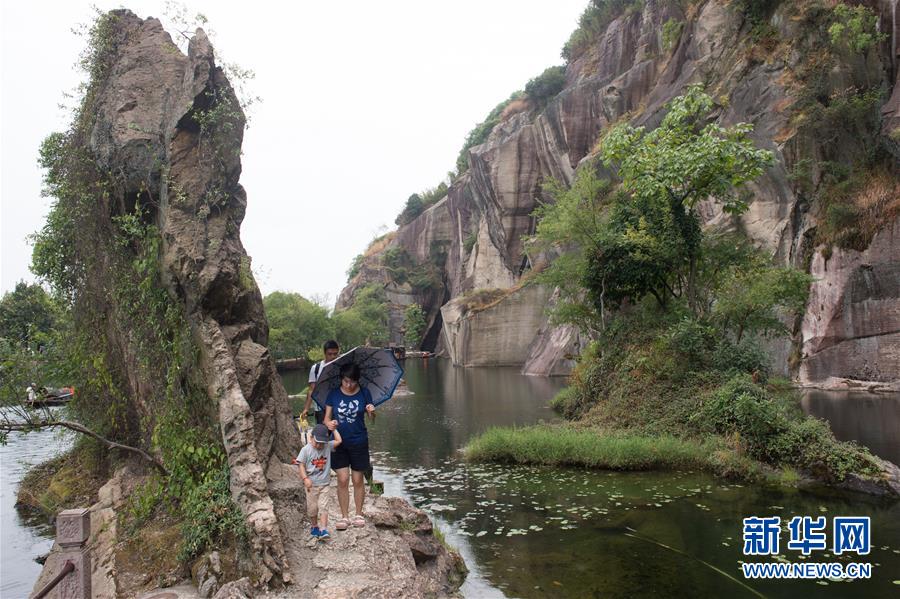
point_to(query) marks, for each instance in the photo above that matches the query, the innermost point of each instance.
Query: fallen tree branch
(74, 426)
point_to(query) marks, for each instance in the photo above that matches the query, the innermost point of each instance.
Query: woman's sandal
(359, 521)
(341, 524)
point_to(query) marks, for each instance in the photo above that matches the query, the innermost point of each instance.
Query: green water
(537, 532)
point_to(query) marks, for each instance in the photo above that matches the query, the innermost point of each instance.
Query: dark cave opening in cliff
(430, 341)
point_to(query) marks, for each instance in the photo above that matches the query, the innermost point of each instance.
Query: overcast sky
(363, 103)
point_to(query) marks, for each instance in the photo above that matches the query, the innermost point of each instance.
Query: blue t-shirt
(350, 412)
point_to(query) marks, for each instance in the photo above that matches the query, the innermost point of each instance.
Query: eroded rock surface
(394, 555)
(852, 325)
(170, 127)
(629, 74)
(167, 127)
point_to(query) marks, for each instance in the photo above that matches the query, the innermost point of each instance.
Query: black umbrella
(379, 370)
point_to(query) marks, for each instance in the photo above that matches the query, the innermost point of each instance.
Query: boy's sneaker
(314, 531)
(323, 534)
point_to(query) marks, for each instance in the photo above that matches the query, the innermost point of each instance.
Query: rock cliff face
(851, 329)
(628, 73)
(167, 128)
(148, 129)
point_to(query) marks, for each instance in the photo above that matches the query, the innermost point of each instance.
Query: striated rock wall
(851, 329)
(498, 336)
(628, 74)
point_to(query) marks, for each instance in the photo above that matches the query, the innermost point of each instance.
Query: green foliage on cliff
(355, 267)
(482, 130)
(296, 325)
(593, 23)
(671, 32)
(414, 325)
(845, 174)
(546, 85)
(418, 203)
(855, 27)
(644, 238)
(366, 321)
(129, 351)
(402, 268)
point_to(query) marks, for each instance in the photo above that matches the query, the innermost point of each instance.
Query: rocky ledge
(396, 554)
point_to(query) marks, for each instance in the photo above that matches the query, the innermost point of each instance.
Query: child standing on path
(314, 461)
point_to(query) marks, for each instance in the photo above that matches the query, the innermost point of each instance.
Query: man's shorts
(317, 501)
(355, 456)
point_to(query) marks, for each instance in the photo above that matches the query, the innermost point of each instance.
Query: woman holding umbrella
(345, 409)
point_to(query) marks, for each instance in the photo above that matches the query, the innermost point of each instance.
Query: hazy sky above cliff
(363, 103)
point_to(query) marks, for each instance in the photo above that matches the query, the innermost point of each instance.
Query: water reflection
(872, 419)
(24, 537)
(533, 532)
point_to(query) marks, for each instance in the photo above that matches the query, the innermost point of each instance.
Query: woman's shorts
(355, 456)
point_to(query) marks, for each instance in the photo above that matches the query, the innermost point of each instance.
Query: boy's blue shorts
(355, 456)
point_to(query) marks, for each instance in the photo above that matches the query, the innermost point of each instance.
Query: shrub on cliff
(365, 321)
(130, 352)
(418, 203)
(856, 27)
(546, 85)
(482, 130)
(414, 325)
(593, 23)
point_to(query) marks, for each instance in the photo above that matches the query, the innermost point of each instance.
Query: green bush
(757, 11)
(691, 339)
(744, 356)
(671, 32)
(355, 267)
(209, 514)
(469, 242)
(855, 26)
(418, 203)
(413, 208)
(482, 130)
(398, 263)
(774, 435)
(568, 402)
(593, 23)
(414, 324)
(546, 85)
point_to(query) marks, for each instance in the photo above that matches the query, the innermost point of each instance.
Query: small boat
(49, 397)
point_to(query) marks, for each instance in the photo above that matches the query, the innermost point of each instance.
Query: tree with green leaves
(28, 314)
(571, 224)
(296, 324)
(414, 325)
(758, 297)
(366, 321)
(686, 159)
